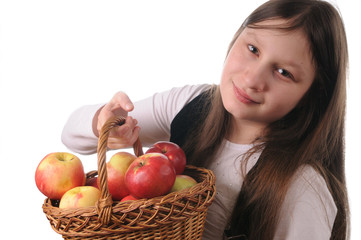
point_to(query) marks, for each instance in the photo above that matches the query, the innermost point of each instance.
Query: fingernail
(129, 106)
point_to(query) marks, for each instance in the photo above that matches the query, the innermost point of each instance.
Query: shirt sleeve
(154, 116)
(308, 211)
(78, 133)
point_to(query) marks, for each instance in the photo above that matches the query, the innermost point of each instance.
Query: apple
(93, 181)
(116, 169)
(174, 153)
(150, 175)
(182, 182)
(59, 172)
(83, 196)
(128, 198)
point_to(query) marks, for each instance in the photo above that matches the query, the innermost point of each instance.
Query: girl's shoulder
(188, 92)
(308, 209)
(308, 180)
(173, 100)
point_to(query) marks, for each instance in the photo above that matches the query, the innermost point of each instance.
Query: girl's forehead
(259, 31)
(276, 27)
(273, 23)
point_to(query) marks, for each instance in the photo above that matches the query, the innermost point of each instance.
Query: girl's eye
(253, 49)
(284, 73)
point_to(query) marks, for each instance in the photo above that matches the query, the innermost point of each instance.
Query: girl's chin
(234, 110)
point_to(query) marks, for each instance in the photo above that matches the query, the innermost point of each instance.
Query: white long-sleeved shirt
(308, 211)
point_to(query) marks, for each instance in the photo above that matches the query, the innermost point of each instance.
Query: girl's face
(266, 73)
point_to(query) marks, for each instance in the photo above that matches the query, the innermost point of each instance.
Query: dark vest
(189, 118)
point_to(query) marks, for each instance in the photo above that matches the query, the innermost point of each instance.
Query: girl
(272, 130)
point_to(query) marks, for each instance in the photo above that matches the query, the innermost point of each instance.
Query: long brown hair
(312, 133)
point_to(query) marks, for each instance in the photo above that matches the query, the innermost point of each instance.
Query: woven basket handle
(104, 205)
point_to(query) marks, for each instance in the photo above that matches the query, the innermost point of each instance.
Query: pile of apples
(60, 176)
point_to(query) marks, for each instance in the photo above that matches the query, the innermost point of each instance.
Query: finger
(135, 135)
(131, 122)
(119, 105)
(127, 133)
(125, 141)
(123, 132)
(120, 100)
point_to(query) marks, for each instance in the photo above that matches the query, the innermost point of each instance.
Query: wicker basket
(177, 215)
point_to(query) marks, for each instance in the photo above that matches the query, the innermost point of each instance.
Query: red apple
(116, 169)
(128, 198)
(92, 182)
(59, 172)
(150, 175)
(182, 182)
(174, 153)
(83, 196)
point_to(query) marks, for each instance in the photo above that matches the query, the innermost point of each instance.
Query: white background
(58, 55)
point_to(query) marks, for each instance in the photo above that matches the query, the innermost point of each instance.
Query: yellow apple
(83, 196)
(183, 182)
(116, 169)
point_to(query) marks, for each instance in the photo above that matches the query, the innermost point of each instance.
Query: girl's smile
(242, 96)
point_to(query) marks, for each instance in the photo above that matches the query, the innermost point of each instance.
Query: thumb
(121, 100)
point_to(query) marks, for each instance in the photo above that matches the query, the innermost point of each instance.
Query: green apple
(182, 182)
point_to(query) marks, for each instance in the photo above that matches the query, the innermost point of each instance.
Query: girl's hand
(123, 136)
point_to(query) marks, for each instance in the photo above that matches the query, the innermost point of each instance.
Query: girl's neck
(244, 132)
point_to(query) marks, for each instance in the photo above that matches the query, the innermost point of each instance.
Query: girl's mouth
(242, 95)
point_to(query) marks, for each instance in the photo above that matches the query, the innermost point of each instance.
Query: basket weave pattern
(177, 215)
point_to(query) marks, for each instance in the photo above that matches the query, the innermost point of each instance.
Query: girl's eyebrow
(296, 66)
(249, 32)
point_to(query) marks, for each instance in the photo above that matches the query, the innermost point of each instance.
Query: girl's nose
(255, 76)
